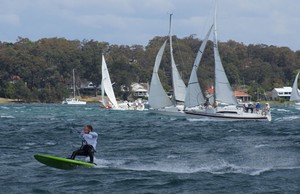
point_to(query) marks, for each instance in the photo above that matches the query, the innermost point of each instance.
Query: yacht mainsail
(158, 97)
(222, 90)
(179, 88)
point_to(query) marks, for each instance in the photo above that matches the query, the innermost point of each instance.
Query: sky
(131, 22)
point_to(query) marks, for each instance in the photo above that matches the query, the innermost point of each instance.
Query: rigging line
(180, 54)
(207, 21)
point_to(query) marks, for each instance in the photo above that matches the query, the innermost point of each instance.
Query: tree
(42, 70)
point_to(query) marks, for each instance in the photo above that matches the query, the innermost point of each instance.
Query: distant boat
(224, 106)
(295, 94)
(110, 102)
(73, 100)
(159, 101)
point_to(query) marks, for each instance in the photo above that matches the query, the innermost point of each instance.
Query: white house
(139, 90)
(284, 93)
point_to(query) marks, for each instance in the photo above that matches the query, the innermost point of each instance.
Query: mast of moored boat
(74, 90)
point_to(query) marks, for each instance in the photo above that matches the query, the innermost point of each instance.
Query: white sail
(179, 88)
(194, 95)
(223, 91)
(158, 98)
(106, 86)
(295, 95)
(104, 101)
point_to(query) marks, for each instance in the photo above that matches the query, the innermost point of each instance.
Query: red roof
(241, 94)
(236, 93)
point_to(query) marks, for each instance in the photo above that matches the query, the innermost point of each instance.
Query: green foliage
(9, 90)
(22, 91)
(41, 71)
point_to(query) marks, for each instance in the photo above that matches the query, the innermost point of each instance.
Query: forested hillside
(40, 71)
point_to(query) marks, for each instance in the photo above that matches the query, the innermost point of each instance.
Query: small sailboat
(295, 94)
(110, 102)
(224, 106)
(106, 88)
(73, 100)
(159, 101)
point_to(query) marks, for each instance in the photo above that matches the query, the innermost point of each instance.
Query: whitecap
(19, 107)
(225, 167)
(259, 171)
(161, 168)
(233, 130)
(8, 116)
(221, 167)
(50, 143)
(209, 119)
(102, 163)
(25, 148)
(283, 110)
(260, 145)
(23, 129)
(172, 156)
(199, 119)
(288, 118)
(30, 144)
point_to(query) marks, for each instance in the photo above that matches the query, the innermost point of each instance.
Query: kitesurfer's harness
(84, 142)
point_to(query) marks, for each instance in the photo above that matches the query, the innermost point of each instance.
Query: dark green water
(140, 152)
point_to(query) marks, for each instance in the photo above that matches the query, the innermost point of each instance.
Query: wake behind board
(61, 163)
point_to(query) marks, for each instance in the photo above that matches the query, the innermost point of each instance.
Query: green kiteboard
(61, 163)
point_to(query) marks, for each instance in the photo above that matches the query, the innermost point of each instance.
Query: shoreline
(95, 100)
(88, 100)
(7, 101)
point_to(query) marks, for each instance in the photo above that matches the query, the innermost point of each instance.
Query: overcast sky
(129, 22)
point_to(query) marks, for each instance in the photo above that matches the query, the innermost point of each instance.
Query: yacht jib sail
(179, 88)
(106, 86)
(295, 95)
(158, 97)
(194, 95)
(223, 92)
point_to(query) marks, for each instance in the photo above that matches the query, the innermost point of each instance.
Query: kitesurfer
(89, 142)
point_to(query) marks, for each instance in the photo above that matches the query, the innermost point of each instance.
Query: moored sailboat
(73, 100)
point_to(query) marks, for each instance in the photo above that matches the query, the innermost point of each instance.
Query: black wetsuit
(84, 150)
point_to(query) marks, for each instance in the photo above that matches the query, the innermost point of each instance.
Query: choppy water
(140, 152)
